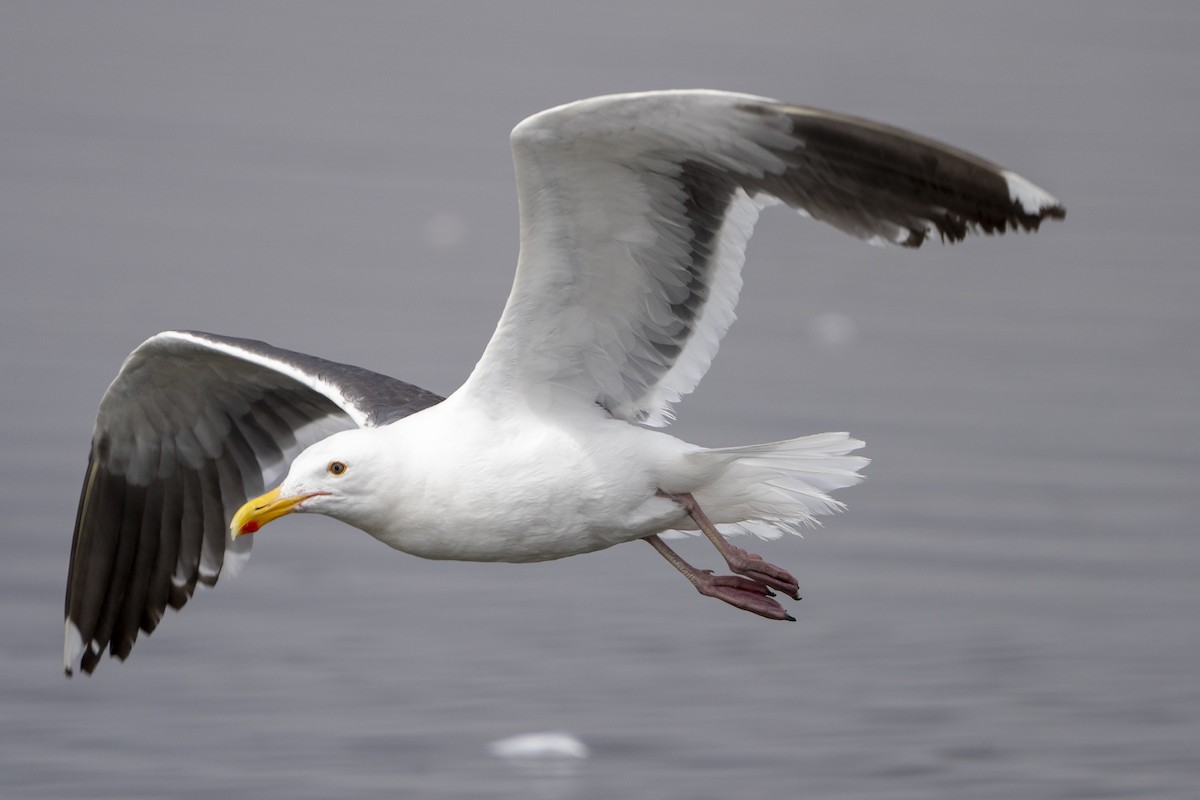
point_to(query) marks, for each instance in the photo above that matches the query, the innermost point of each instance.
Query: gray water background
(1010, 607)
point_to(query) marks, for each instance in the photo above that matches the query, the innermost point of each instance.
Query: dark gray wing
(636, 210)
(872, 180)
(193, 425)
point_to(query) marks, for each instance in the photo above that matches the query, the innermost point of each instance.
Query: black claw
(789, 617)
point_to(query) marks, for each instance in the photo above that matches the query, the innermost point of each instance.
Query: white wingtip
(1032, 199)
(72, 649)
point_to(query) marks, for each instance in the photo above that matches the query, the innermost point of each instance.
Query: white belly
(526, 491)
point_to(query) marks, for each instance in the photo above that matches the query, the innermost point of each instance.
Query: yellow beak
(261, 510)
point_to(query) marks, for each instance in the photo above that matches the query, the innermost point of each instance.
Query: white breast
(522, 487)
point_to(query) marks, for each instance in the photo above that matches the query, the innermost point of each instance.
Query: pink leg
(741, 562)
(744, 593)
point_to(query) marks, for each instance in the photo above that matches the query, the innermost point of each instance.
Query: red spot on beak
(250, 527)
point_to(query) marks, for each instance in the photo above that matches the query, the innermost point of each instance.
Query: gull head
(336, 477)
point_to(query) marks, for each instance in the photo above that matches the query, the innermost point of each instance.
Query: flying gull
(635, 210)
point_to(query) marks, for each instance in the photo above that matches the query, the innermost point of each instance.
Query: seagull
(635, 210)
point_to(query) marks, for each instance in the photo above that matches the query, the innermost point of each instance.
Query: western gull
(635, 210)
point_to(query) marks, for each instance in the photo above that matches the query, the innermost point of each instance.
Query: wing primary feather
(229, 481)
(244, 465)
(158, 593)
(191, 539)
(127, 546)
(269, 413)
(875, 171)
(267, 448)
(82, 567)
(79, 539)
(212, 546)
(100, 521)
(133, 608)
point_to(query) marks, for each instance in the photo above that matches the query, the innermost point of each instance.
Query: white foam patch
(1033, 199)
(532, 746)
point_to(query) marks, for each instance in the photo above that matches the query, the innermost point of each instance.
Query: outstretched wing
(193, 425)
(636, 209)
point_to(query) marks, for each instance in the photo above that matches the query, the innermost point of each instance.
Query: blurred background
(1010, 606)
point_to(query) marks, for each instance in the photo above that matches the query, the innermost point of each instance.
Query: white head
(340, 476)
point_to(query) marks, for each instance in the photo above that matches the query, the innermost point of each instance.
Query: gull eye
(337, 467)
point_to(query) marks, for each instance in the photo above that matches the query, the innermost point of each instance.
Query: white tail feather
(779, 487)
